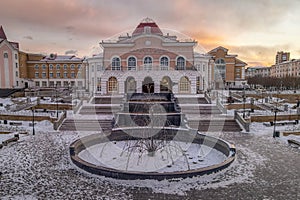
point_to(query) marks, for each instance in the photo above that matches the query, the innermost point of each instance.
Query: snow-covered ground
(5, 136)
(38, 167)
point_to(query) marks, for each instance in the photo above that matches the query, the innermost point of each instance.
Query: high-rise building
(282, 57)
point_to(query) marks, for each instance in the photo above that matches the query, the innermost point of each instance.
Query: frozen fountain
(150, 139)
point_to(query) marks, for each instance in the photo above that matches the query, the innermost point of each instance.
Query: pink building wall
(6, 81)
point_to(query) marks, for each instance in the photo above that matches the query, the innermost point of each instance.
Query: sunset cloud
(254, 30)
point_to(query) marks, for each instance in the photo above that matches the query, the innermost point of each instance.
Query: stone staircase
(193, 100)
(217, 125)
(85, 125)
(199, 109)
(106, 109)
(107, 100)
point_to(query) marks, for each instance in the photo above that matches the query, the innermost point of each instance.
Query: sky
(253, 29)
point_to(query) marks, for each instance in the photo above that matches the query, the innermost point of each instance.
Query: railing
(152, 68)
(207, 97)
(60, 120)
(221, 106)
(77, 107)
(242, 121)
(23, 113)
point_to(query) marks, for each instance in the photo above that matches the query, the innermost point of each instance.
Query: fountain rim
(77, 146)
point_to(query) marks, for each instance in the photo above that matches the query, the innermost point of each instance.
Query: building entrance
(148, 85)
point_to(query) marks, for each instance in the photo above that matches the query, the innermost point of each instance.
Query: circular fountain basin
(186, 153)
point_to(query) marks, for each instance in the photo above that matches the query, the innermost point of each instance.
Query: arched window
(131, 63)
(116, 64)
(165, 84)
(5, 55)
(147, 63)
(164, 63)
(180, 63)
(184, 85)
(130, 85)
(220, 69)
(112, 85)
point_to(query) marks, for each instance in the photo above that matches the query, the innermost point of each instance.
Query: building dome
(147, 26)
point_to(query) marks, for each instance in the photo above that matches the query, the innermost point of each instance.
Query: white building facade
(147, 61)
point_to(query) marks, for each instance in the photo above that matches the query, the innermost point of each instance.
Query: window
(184, 85)
(37, 84)
(51, 84)
(44, 75)
(72, 83)
(220, 70)
(99, 67)
(79, 66)
(50, 67)
(36, 67)
(92, 68)
(79, 74)
(58, 75)
(72, 66)
(147, 63)
(116, 64)
(16, 65)
(58, 83)
(131, 63)
(147, 29)
(44, 84)
(17, 74)
(5, 55)
(198, 83)
(164, 63)
(65, 75)
(36, 75)
(58, 67)
(43, 67)
(51, 75)
(112, 84)
(180, 63)
(79, 83)
(72, 75)
(16, 56)
(98, 84)
(65, 67)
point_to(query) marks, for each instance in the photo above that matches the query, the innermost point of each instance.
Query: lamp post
(33, 131)
(275, 116)
(56, 101)
(244, 100)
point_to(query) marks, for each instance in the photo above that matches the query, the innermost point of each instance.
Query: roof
(147, 22)
(2, 33)
(55, 57)
(238, 61)
(219, 47)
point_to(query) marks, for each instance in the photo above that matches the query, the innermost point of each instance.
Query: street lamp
(56, 101)
(275, 116)
(244, 100)
(33, 131)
